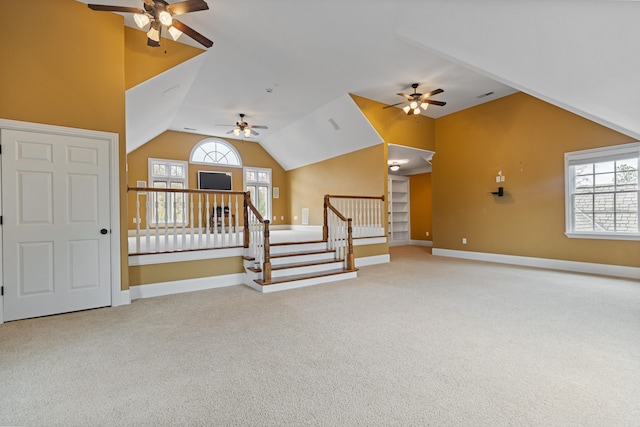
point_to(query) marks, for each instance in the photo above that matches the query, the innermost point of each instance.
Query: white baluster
(237, 236)
(137, 222)
(223, 232)
(207, 220)
(174, 211)
(157, 215)
(147, 247)
(166, 221)
(215, 220)
(200, 239)
(183, 197)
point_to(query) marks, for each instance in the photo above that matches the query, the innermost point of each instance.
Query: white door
(56, 220)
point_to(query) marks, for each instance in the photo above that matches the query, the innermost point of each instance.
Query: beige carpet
(422, 340)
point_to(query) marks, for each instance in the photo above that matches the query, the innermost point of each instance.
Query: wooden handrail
(325, 230)
(335, 211)
(185, 190)
(266, 265)
(336, 196)
(253, 209)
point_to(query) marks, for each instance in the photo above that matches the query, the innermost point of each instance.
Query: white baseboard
(361, 241)
(372, 260)
(165, 257)
(554, 264)
(428, 243)
(125, 298)
(189, 285)
(313, 228)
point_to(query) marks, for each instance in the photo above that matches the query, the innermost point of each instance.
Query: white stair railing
(365, 211)
(172, 220)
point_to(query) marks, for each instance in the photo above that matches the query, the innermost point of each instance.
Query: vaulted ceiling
(290, 64)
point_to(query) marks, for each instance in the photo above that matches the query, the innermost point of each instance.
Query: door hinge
(0, 219)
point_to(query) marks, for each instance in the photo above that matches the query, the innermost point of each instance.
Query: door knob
(104, 231)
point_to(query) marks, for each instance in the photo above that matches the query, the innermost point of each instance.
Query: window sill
(604, 236)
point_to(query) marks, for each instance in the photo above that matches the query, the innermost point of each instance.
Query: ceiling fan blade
(224, 125)
(253, 132)
(433, 92)
(392, 105)
(405, 95)
(258, 127)
(231, 131)
(187, 6)
(431, 101)
(104, 8)
(192, 33)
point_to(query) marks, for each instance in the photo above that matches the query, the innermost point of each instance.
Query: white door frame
(117, 296)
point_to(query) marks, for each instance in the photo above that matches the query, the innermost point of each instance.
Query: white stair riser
(310, 269)
(304, 282)
(308, 258)
(302, 247)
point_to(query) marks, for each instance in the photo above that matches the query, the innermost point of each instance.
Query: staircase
(296, 265)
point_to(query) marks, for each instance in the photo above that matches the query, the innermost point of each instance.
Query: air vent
(334, 124)
(485, 94)
(189, 128)
(170, 89)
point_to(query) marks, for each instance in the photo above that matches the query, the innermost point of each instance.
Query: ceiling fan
(245, 128)
(417, 101)
(159, 14)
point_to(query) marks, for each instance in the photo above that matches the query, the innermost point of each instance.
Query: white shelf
(399, 213)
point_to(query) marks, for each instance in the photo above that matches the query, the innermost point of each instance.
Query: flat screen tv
(208, 180)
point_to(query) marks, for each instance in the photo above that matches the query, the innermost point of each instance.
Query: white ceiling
(289, 64)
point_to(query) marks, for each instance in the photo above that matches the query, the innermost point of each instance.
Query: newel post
(351, 264)
(325, 226)
(266, 268)
(245, 209)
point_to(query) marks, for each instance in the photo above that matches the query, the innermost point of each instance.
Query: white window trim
(593, 156)
(151, 177)
(219, 141)
(269, 190)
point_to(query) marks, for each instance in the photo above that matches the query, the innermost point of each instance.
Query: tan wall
(527, 138)
(395, 127)
(64, 65)
(178, 145)
(169, 272)
(143, 62)
(361, 173)
(364, 251)
(420, 205)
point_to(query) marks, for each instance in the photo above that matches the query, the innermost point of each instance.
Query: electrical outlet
(135, 220)
(295, 217)
(464, 240)
(427, 234)
(282, 218)
(275, 217)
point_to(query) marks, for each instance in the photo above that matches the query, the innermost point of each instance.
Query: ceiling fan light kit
(243, 128)
(418, 102)
(160, 15)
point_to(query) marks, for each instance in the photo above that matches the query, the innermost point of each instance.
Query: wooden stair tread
(296, 264)
(303, 264)
(303, 276)
(296, 243)
(290, 254)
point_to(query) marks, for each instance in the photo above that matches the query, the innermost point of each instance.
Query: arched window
(213, 151)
